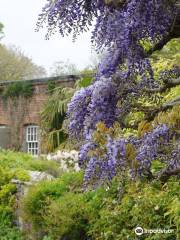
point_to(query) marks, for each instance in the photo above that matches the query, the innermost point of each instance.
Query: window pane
(32, 139)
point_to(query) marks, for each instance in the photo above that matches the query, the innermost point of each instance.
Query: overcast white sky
(19, 18)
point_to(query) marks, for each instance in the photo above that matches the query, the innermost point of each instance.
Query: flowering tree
(129, 31)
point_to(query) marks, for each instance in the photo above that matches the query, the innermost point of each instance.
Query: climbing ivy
(14, 90)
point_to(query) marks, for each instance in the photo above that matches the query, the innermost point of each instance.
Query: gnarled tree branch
(166, 174)
(168, 84)
(173, 33)
(152, 112)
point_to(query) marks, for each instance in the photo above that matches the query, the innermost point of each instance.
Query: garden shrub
(41, 195)
(50, 167)
(10, 159)
(15, 166)
(5, 176)
(59, 209)
(7, 189)
(68, 217)
(17, 160)
(6, 193)
(7, 200)
(20, 174)
(62, 210)
(150, 206)
(7, 230)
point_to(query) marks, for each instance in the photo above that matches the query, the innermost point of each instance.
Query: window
(5, 136)
(32, 140)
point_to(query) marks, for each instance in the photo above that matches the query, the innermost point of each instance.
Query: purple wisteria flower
(77, 110)
(126, 33)
(101, 169)
(148, 150)
(91, 105)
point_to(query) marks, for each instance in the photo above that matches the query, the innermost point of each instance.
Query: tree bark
(173, 33)
(168, 84)
(166, 174)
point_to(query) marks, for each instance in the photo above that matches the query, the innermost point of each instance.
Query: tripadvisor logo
(139, 231)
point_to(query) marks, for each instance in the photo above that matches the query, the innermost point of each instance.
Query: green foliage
(14, 166)
(20, 174)
(40, 196)
(86, 79)
(7, 200)
(52, 118)
(7, 230)
(7, 192)
(51, 86)
(50, 167)
(171, 118)
(7, 189)
(144, 205)
(10, 159)
(14, 90)
(157, 166)
(5, 176)
(172, 94)
(19, 163)
(133, 118)
(166, 58)
(68, 216)
(61, 210)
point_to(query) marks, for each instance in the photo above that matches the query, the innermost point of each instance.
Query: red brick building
(20, 116)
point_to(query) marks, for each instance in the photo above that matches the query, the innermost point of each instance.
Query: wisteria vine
(126, 30)
(100, 169)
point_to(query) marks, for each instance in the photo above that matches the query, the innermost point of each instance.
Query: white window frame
(32, 139)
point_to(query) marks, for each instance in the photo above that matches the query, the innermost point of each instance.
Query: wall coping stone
(36, 81)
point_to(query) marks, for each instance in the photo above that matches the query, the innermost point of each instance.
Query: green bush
(50, 167)
(23, 161)
(14, 166)
(61, 210)
(5, 176)
(150, 206)
(20, 174)
(68, 217)
(10, 159)
(7, 200)
(41, 195)
(7, 230)
(7, 189)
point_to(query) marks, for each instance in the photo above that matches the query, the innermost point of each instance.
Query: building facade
(20, 115)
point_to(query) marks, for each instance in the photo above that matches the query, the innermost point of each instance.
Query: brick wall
(17, 114)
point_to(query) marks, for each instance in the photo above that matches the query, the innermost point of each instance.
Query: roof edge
(64, 78)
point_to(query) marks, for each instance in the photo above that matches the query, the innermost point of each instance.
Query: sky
(19, 18)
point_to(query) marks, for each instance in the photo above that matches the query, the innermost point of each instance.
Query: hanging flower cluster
(127, 30)
(149, 148)
(101, 167)
(121, 29)
(118, 155)
(91, 105)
